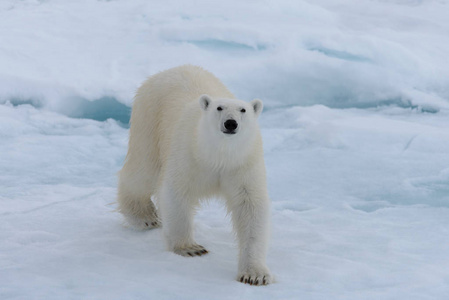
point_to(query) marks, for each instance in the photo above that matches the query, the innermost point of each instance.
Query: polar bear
(190, 139)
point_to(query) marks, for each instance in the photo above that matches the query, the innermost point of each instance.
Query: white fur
(178, 153)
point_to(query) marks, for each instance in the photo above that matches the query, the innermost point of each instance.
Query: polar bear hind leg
(134, 200)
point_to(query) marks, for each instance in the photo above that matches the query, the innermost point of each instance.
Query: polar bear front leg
(250, 215)
(251, 222)
(177, 212)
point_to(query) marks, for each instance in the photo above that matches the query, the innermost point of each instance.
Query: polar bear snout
(230, 126)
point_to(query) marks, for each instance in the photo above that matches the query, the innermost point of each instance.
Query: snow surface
(356, 137)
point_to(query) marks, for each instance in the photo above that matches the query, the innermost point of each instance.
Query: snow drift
(336, 53)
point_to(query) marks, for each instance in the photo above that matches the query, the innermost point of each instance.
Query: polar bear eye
(219, 108)
(243, 110)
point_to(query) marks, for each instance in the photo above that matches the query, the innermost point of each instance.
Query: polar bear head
(228, 131)
(230, 117)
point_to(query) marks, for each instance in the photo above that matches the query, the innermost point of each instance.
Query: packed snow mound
(337, 53)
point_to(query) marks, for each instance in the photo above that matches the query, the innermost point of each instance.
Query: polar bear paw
(143, 223)
(192, 250)
(255, 277)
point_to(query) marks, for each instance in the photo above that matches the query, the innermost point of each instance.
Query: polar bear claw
(192, 250)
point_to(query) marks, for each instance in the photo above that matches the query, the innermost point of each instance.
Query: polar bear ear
(205, 101)
(257, 105)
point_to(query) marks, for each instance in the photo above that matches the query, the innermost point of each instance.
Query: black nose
(230, 125)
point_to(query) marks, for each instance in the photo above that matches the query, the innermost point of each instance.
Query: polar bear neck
(226, 152)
